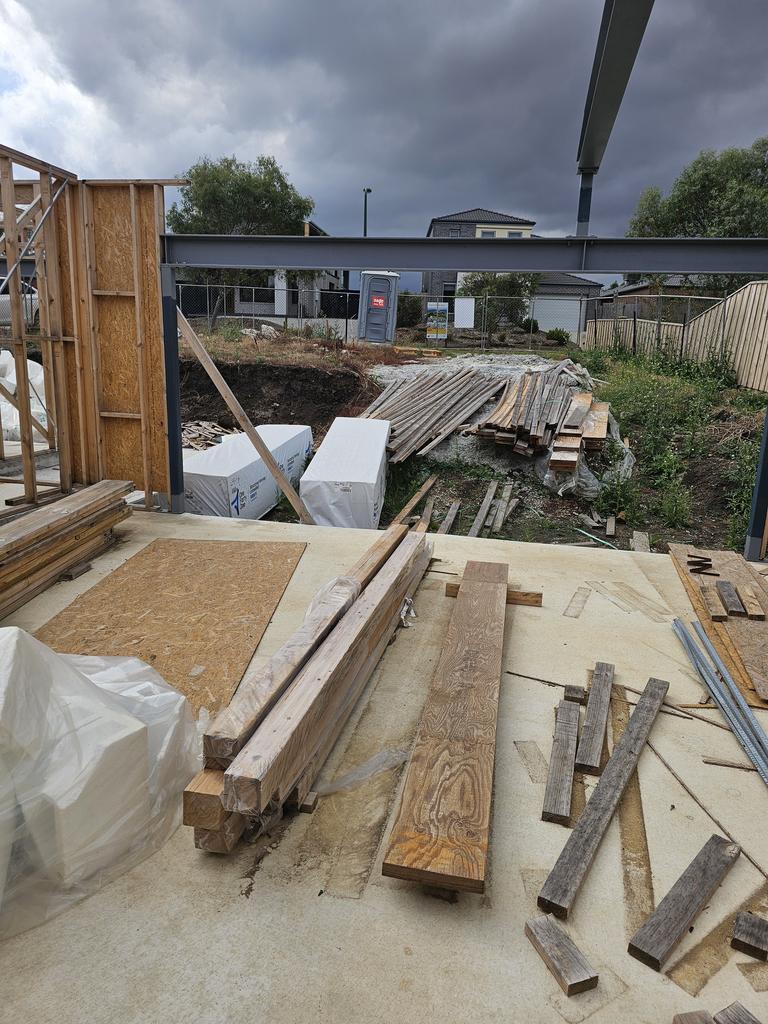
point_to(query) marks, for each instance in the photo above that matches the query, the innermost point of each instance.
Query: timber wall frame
(96, 255)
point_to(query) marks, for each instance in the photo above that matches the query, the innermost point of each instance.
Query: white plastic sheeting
(8, 415)
(344, 484)
(94, 755)
(230, 479)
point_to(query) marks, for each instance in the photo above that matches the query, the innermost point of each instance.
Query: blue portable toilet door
(378, 309)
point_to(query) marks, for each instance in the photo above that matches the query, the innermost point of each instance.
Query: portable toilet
(377, 318)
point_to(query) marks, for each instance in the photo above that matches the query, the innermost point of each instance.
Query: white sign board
(464, 313)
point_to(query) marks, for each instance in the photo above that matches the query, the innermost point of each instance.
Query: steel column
(172, 387)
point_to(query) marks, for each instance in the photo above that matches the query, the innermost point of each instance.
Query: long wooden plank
(426, 517)
(256, 694)
(501, 512)
(564, 881)
(735, 1013)
(450, 516)
(694, 1017)
(654, 941)
(482, 512)
(50, 519)
(201, 801)
(590, 748)
(240, 415)
(411, 504)
(440, 834)
(750, 935)
(557, 795)
(748, 596)
(531, 598)
(272, 760)
(562, 956)
(730, 598)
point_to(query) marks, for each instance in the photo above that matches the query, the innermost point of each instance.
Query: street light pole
(366, 192)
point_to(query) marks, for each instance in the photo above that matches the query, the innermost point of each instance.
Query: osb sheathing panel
(122, 455)
(194, 610)
(119, 362)
(112, 237)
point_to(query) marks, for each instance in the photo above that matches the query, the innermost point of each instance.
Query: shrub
(675, 504)
(559, 334)
(742, 476)
(409, 310)
(530, 326)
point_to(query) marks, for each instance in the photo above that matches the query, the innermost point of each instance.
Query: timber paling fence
(735, 327)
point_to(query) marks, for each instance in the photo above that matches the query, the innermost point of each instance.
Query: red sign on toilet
(377, 302)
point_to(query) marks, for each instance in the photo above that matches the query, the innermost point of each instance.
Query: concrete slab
(303, 926)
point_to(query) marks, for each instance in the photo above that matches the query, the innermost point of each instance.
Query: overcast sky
(438, 106)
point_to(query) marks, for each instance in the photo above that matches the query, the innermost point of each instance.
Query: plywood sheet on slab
(194, 610)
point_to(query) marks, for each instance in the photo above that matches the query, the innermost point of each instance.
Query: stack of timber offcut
(264, 752)
(545, 410)
(427, 409)
(40, 546)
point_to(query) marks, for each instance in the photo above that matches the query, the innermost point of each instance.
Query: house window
(454, 233)
(514, 234)
(246, 294)
(487, 234)
(449, 289)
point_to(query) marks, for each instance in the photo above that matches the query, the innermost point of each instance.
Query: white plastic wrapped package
(94, 755)
(344, 484)
(9, 417)
(230, 478)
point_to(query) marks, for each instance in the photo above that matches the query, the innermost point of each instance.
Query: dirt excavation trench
(273, 393)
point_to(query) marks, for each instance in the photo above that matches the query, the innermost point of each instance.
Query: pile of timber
(545, 410)
(264, 752)
(203, 434)
(45, 543)
(428, 408)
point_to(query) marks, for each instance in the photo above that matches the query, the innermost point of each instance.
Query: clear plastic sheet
(381, 762)
(94, 755)
(583, 483)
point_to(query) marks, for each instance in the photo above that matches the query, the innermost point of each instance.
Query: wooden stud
(8, 200)
(575, 693)
(564, 881)
(426, 517)
(501, 512)
(693, 1017)
(750, 935)
(557, 795)
(713, 603)
(730, 598)
(412, 502)
(482, 512)
(201, 801)
(141, 360)
(309, 804)
(450, 516)
(654, 941)
(239, 413)
(563, 958)
(748, 596)
(590, 749)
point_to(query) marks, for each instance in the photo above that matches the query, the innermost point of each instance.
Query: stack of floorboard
(545, 410)
(39, 547)
(265, 750)
(428, 408)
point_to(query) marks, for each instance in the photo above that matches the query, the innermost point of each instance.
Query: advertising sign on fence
(437, 321)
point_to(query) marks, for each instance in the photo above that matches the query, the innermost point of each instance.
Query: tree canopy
(510, 291)
(718, 195)
(230, 197)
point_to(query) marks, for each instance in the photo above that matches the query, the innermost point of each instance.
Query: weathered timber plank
(482, 512)
(653, 942)
(277, 754)
(450, 516)
(693, 1017)
(564, 881)
(735, 1014)
(441, 829)
(713, 603)
(748, 596)
(610, 526)
(640, 541)
(730, 598)
(557, 795)
(411, 504)
(750, 935)
(595, 720)
(201, 801)
(561, 955)
(531, 598)
(575, 693)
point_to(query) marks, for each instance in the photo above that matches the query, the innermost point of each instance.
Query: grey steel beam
(172, 388)
(621, 32)
(532, 255)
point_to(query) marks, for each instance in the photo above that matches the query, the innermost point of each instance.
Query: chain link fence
(455, 321)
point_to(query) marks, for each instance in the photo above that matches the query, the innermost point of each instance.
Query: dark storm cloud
(437, 106)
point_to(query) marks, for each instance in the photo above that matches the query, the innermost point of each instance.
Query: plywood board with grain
(441, 830)
(194, 610)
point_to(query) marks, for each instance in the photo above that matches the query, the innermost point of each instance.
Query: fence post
(682, 333)
(722, 327)
(658, 323)
(634, 329)
(531, 311)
